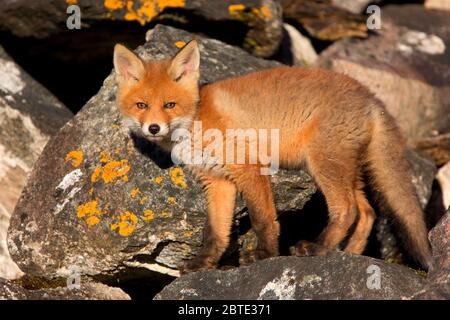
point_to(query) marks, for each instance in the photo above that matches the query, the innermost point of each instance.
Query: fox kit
(327, 122)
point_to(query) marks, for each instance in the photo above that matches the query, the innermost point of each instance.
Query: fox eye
(169, 105)
(141, 105)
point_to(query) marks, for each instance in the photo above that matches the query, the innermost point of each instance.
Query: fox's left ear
(186, 63)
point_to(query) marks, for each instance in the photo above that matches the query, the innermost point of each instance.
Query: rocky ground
(85, 202)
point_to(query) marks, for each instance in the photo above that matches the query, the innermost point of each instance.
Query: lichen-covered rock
(337, 275)
(257, 22)
(438, 281)
(406, 65)
(103, 201)
(87, 291)
(29, 116)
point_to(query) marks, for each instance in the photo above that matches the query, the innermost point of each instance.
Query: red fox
(327, 122)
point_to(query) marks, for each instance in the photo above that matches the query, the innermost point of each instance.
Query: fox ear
(185, 65)
(129, 67)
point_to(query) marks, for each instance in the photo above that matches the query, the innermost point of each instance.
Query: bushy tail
(391, 177)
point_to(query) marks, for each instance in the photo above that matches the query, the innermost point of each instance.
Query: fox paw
(249, 257)
(306, 249)
(196, 264)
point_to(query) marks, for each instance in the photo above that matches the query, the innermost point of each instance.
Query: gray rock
(296, 49)
(29, 116)
(406, 65)
(257, 22)
(335, 276)
(438, 281)
(105, 202)
(87, 291)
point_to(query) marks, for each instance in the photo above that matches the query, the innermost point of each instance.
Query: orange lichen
(177, 176)
(180, 44)
(115, 126)
(71, 2)
(188, 234)
(90, 211)
(172, 200)
(114, 4)
(235, 8)
(265, 11)
(134, 192)
(148, 215)
(126, 224)
(142, 11)
(158, 180)
(76, 156)
(111, 171)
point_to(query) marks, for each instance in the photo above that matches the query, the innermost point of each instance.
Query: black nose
(154, 128)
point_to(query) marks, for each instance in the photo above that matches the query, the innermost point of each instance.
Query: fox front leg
(221, 195)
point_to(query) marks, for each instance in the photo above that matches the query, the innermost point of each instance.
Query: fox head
(157, 97)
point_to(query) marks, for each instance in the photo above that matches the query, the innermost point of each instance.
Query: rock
(437, 4)
(257, 23)
(109, 203)
(87, 291)
(337, 275)
(323, 20)
(423, 172)
(406, 65)
(354, 6)
(296, 49)
(443, 177)
(29, 116)
(437, 147)
(438, 281)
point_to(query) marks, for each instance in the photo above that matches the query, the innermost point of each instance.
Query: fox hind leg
(336, 179)
(358, 240)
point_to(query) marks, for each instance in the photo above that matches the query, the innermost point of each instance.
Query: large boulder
(87, 291)
(406, 65)
(337, 275)
(29, 116)
(257, 23)
(110, 203)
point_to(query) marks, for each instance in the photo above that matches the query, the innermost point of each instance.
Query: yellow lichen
(172, 200)
(165, 214)
(180, 44)
(143, 201)
(91, 191)
(158, 180)
(188, 234)
(134, 192)
(104, 157)
(76, 156)
(126, 224)
(177, 176)
(90, 211)
(148, 215)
